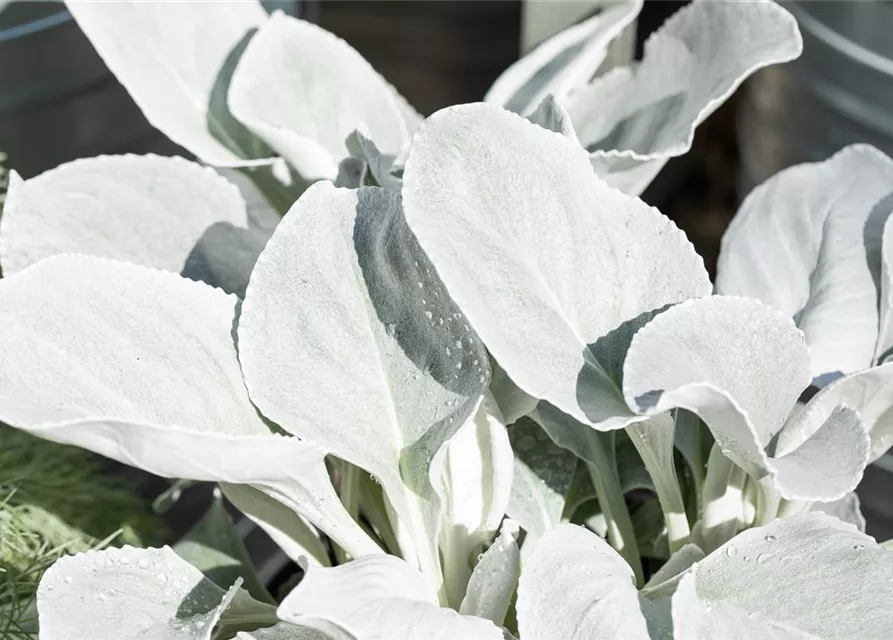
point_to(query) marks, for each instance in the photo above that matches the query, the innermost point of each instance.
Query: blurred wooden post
(437, 53)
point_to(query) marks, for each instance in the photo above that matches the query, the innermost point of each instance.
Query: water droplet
(124, 560)
(475, 362)
(770, 538)
(390, 328)
(458, 365)
(415, 376)
(68, 579)
(482, 378)
(731, 550)
(421, 284)
(429, 315)
(448, 352)
(423, 301)
(466, 327)
(440, 321)
(162, 578)
(858, 547)
(458, 344)
(762, 558)
(143, 563)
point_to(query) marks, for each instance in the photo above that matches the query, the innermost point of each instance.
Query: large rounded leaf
(545, 260)
(741, 366)
(126, 594)
(379, 597)
(140, 366)
(304, 90)
(633, 119)
(165, 213)
(347, 338)
(808, 242)
(175, 59)
(807, 576)
(575, 585)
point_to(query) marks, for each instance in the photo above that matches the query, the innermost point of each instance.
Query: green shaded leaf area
(54, 500)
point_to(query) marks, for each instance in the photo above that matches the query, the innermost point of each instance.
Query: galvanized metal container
(839, 92)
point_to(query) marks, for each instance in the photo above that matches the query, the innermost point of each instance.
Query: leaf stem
(621, 535)
(654, 440)
(350, 498)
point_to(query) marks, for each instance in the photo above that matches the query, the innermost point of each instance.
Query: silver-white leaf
(808, 242)
(807, 576)
(159, 212)
(564, 62)
(303, 91)
(105, 355)
(741, 366)
(545, 260)
(342, 289)
(633, 119)
(175, 60)
(574, 585)
(125, 594)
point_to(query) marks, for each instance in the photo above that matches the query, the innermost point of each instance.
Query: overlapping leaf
(808, 242)
(125, 594)
(159, 212)
(545, 260)
(808, 576)
(575, 585)
(303, 91)
(140, 366)
(176, 60)
(564, 62)
(475, 490)
(751, 366)
(343, 292)
(633, 119)
(379, 597)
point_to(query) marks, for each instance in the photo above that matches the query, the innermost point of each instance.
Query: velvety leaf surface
(543, 258)
(379, 597)
(575, 585)
(159, 212)
(633, 119)
(741, 366)
(807, 576)
(808, 242)
(343, 292)
(176, 60)
(125, 594)
(106, 356)
(303, 91)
